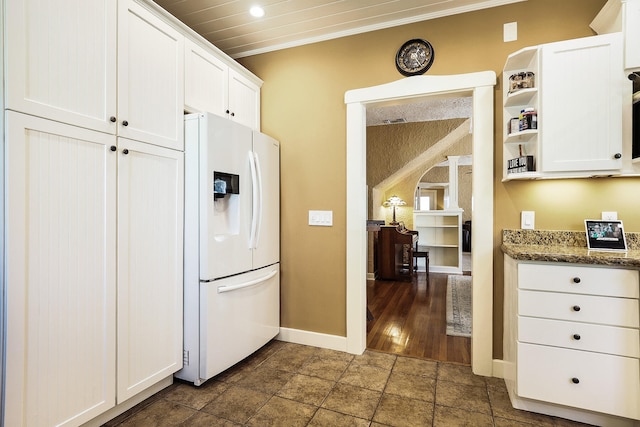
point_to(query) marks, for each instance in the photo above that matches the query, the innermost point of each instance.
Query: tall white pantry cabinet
(94, 170)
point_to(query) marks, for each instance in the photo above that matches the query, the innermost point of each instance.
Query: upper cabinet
(62, 65)
(150, 78)
(622, 15)
(205, 80)
(212, 85)
(562, 109)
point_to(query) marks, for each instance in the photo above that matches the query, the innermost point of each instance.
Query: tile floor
(287, 384)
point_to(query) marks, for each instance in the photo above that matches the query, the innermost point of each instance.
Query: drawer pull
(576, 280)
(576, 337)
(576, 308)
(575, 380)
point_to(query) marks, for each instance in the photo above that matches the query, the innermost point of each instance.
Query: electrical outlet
(609, 216)
(528, 220)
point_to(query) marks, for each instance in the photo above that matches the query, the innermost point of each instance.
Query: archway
(480, 87)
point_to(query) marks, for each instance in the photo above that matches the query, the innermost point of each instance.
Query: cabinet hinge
(185, 357)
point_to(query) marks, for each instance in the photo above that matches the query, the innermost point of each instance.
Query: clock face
(414, 57)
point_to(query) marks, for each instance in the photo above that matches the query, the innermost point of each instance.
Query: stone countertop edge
(566, 246)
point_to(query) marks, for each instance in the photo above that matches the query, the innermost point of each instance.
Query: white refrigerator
(232, 244)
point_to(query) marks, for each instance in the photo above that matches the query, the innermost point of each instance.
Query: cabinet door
(206, 81)
(581, 106)
(60, 272)
(244, 100)
(150, 78)
(631, 27)
(150, 212)
(61, 60)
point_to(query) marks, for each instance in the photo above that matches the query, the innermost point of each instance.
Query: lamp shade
(394, 201)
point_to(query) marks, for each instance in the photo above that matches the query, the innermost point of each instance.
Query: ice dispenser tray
(225, 183)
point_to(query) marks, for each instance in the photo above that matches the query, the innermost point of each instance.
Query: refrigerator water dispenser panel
(225, 183)
(226, 205)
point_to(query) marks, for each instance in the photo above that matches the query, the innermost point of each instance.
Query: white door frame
(480, 86)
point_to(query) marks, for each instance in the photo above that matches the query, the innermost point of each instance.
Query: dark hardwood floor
(409, 318)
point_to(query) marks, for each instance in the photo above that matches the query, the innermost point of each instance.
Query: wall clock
(414, 57)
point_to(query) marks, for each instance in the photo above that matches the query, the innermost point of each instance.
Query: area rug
(459, 306)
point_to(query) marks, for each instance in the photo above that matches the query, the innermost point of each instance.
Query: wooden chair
(421, 252)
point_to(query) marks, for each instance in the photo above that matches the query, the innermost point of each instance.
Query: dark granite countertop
(566, 246)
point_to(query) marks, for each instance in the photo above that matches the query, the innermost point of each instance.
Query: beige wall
(303, 107)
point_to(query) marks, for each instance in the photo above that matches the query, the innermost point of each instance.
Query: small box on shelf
(520, 164)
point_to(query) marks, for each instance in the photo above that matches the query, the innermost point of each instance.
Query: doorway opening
(418, 158)
(480, 87)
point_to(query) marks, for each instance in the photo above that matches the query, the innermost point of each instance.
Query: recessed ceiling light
(256, 11)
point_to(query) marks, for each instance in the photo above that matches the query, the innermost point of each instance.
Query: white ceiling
(287, 23)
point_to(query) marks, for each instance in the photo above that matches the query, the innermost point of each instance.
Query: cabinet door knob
(125, 151)
(113, 148)
(227, 111)
(575, 380)
(576, 337)
(576, 308)
(617, 155)
(125, 123)
(576, 280)
(233, 114)
(112, 119)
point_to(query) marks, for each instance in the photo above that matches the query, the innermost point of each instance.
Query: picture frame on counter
(605, 235)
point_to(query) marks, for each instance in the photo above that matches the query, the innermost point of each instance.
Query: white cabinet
(244, 100)
(624, 16)
(572, 339)
(631, 30)
(211, 85)
(60, 273)
(117, 331)
(205, 81)
(61, 62)
(150, 244)
(582, 87)
(578, 97)
(440, 233)
(150, 78)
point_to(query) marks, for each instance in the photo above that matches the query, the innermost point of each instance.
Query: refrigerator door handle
(258, 213)
(254, 214)
(222, 289)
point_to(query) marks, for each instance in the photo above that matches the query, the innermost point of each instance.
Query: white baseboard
(315, 339)
(130, 403)
(498, 368)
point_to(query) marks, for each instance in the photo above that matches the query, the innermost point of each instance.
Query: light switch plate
(528, 219)
(321, 218)
(609, 216)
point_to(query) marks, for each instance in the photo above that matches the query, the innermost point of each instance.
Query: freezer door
(225, 197)
(266, 240)
(238, 315)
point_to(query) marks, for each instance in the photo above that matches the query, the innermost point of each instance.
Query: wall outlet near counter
(527, 220)
(609, 216)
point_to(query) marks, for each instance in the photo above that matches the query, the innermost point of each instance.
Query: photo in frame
(605, 235)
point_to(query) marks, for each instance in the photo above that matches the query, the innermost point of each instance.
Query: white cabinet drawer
(579, 279)
(580, 336)
(579, 308)
(593, 381)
